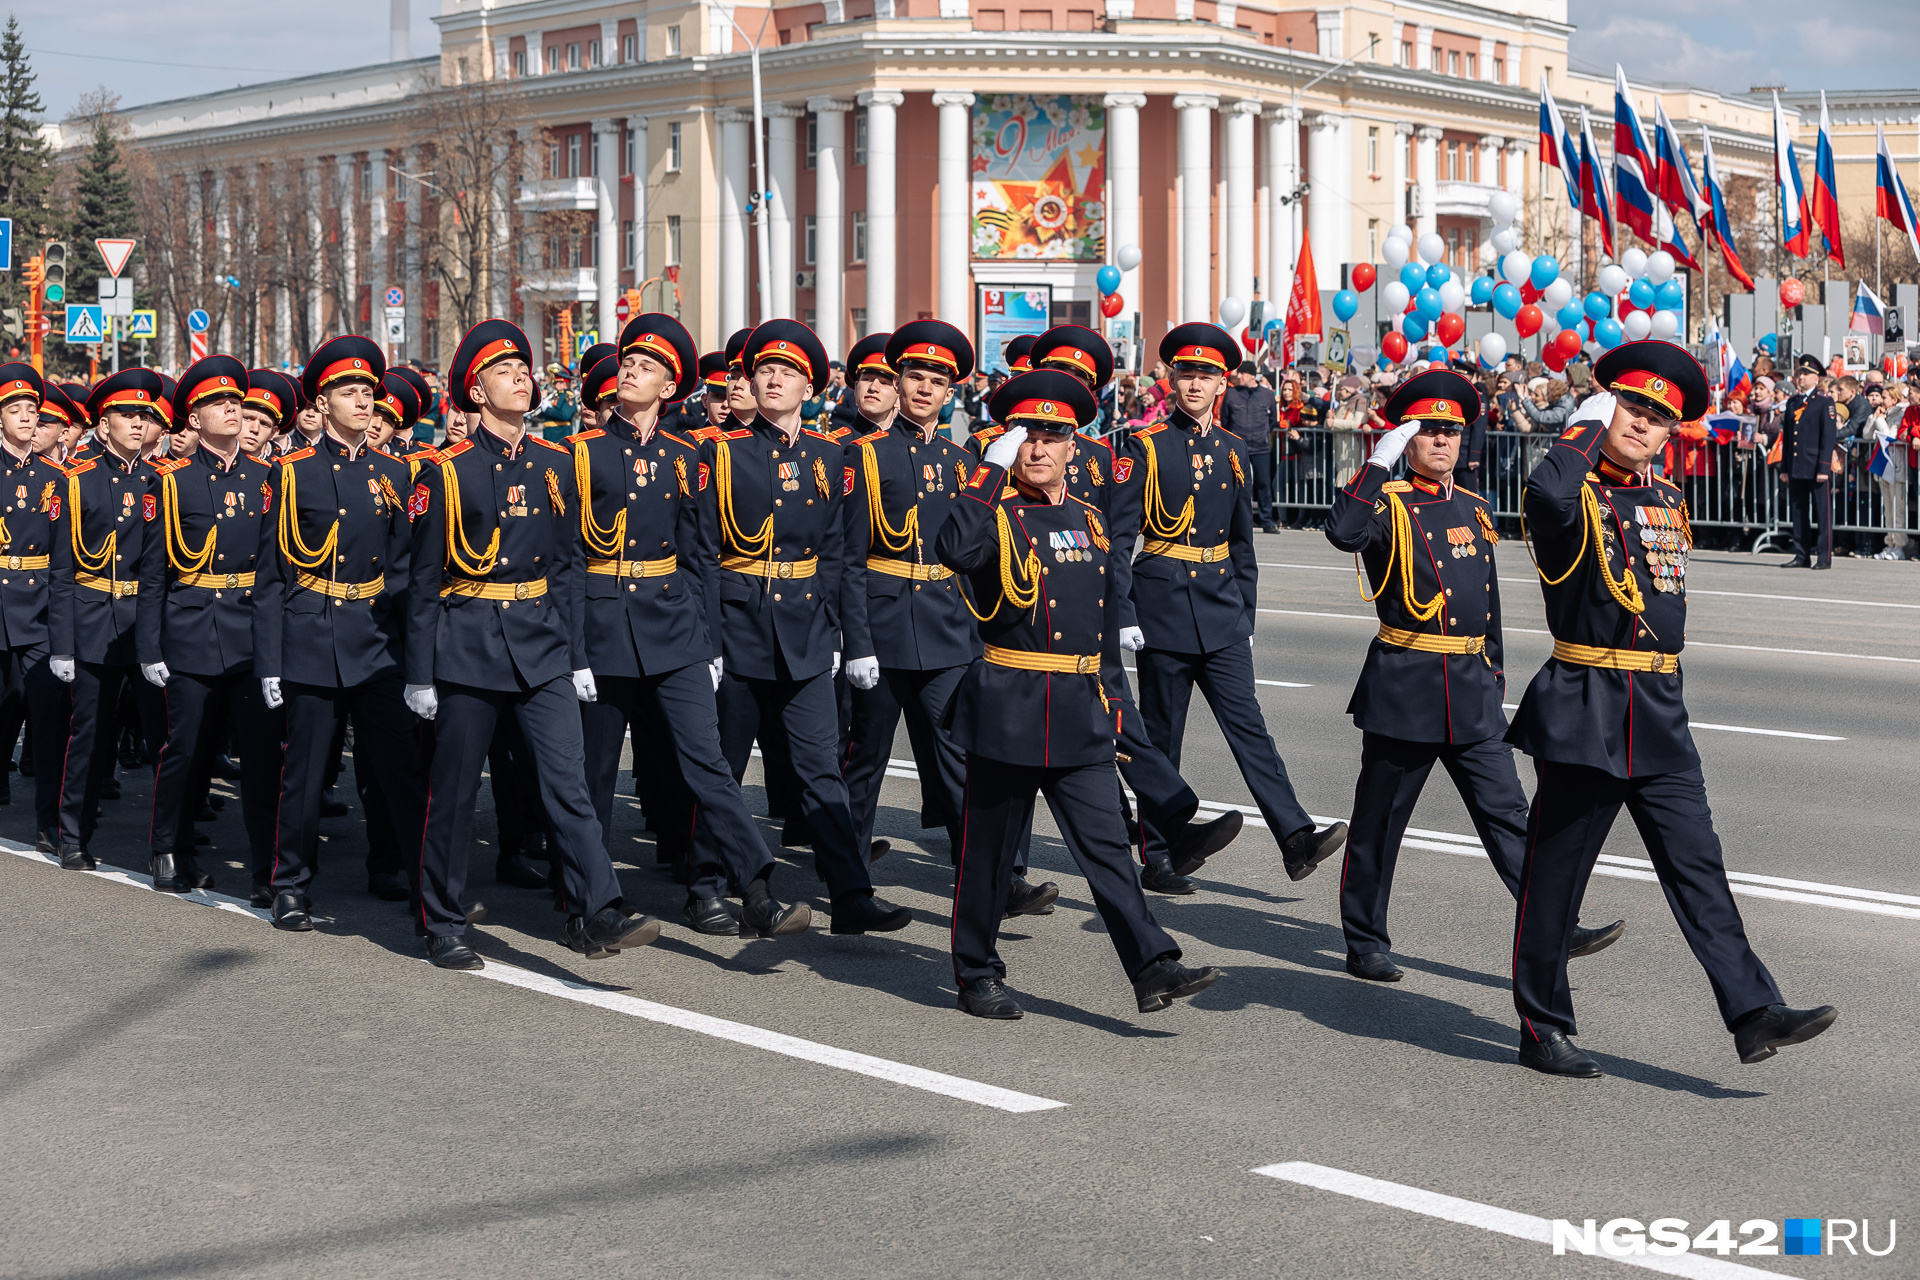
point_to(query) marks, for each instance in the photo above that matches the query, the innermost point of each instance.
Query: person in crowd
(1347, 421)
(1881, 439)
(1248, 412)
(1288, 441)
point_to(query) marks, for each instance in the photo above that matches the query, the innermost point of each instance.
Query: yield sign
(116, 253)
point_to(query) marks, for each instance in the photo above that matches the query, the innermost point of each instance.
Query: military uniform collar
(1435, 488)
(1611, 472)
(619, 426)
(1187, 422)
(492, 443)
(764, 425)
(908, 428)
(1039, 497)
(340, 448)
(108, 457)
(13, 459)
(214, 462)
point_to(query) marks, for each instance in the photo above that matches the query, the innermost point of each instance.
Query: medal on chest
(1663, 542)
(644, 472)
(789, 476)
(1070, 546)
(935, 481)
(516, 500)
(1463, 542)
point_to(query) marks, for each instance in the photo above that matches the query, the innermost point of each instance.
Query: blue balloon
(1427, 303)
(1598, 306)
(1671, 296)
(1413, 326)
(1108, 279)
(1482, 291)
(1345, 303)
(1569, 316)
(1506, 300)
(1608, 333)
(1640, 293)
(1546, 269)
(1381, 362)
(1437, 274)
(1414, 276)
(1437, 353)
(1271, 326)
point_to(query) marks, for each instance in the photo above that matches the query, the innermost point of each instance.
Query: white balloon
(1549, 327)
(1394, 252)
(1487, 254)
(1506, 240)
(1493, 348)
(1665, 324)
(1659, 267)
(1637, 325)
(1432, 247)
(1232, 310)
(1557, 295)
(1503, 207)
(1130, 256)
(1516, 267)
(1613, 280)
(1635, 262)
(1452, 296)
(1393, 298)
(1400, 231)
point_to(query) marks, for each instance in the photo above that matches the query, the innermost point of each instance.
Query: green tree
(26, 160)
(103, 206)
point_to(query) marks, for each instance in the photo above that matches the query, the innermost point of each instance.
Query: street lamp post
(763, 240)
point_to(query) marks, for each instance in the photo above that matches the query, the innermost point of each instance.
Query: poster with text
(1005, 314)
(1039, 177)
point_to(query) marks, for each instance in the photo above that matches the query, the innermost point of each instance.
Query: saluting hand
(1393, 444)
(1003, 451)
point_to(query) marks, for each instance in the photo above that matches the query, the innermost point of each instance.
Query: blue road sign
(6, 244)
(198, 321)
(85, 324)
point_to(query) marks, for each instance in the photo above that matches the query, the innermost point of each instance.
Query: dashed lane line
(1737, 728)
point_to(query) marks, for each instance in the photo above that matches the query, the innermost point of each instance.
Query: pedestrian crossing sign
(142, 324)
(85, 324)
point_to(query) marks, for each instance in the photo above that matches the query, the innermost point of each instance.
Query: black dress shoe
(224, 766)
(1798, 562)
(878, 849)
(331, 808)
(1822, 564)
(1374, 966)
(771, 920)
(608, 933)
(475, 914)
(1158, 875)
(517, 870)
(1025, 899)
(864, 913)
(110, 789)
(1764, 1032)
(75, 858)
(290, 913)
(1584, 942)
(1269, 527)
(217, 803)
(1167, 980)
(986, 998)
(190, 872)
(1556, 1056)
(1201, 841)
(166, 876)
(47, 842)
(453, 953)
(389, 886)
(711, 916)
(260, 896)
(795, 834)
(1307, 848)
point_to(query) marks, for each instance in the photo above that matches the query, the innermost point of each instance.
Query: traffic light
(53, 273)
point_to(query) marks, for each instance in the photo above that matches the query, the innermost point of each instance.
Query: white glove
(270, 692)
(62, 669)
(1393, 444)
(836, 662)
(717, 668)
(863, 673)
(1003, 451)
(1132, 639)
(156, 673)
(583, 686)
(422, 700)
(1596, 409)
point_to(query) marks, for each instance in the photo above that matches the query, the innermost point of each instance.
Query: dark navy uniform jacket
(1185, 606)
(641, 503)
(303, 633)
(1628, 723)
(212, 523)
(1061, 555)
(1089, 475)
(1808, 432)
(770, 502)
(96, 567)
(912, 624)
(1407, 693)
(34, 492)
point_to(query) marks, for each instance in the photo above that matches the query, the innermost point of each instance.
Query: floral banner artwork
(1039, 177)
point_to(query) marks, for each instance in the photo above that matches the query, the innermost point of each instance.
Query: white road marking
(1284, 684)
(985, 1095)
(1471, 1213)
(1736, 728)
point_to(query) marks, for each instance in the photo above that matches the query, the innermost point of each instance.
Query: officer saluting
(1809, 427)
(1606, 719)
(1033, 714)
(1434, 680)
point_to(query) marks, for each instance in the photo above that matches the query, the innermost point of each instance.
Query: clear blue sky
(1731, 45)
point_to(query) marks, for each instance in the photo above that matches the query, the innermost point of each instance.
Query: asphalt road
(186, 1092)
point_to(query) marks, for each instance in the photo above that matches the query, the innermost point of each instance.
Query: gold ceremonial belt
(1426, 642)
(343, 590)
(635, 568)
(771, 568)
(1076, 664)
(908, 569)
(1665, 664)
(24, 562)
(1180, 551)
(494, 590)
(107, 585)
(218, 581)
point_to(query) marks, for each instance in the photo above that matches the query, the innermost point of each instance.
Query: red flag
(1303, 304)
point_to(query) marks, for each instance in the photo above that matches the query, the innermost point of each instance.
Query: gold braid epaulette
(1400, 552)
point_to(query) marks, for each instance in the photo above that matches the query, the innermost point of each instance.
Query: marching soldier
(1188, 613)
(650, 608)
(1606, 718)
(194, 629)
(1432, 687)
(1809, 426)
(1018, 351)
(1033, 716)
(493, 630)
(715, 395)
(773, 515)
(271, 396)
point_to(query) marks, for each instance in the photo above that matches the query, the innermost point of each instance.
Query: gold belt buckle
(1665, 664)
(785, 570)
(121, 589)
(352, 592)
(519, 591)
(13, 562)
(1083, 664)
(1206, 555)
(233, 580)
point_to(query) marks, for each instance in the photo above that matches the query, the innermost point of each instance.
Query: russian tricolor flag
(1673, 172)
(1733, 374)
(1869, 313)
(1595, 199)
(1890, 194)
(1826, 197)
(1786, 176)
(1631, 164)
(1557, 146)
(1719, 227)
(1670, 240)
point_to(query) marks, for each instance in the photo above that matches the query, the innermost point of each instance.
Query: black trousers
(1086, 802)
(34, 691)
(1393, 772)
(1573, 809)
(1225, 678)
(383, 753)
(809, 731)
(549, 716)
(90, 744)
(922, 697)
(728, 852)
(665, 802)
(1810, 504)
(199, 711)
(515, 773)
(1262, 483)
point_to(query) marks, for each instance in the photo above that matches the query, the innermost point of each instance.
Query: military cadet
(109, 509)
(773, 516)
(493, 629)
(1433, 683)
(1018, 351)
(715, 393)
(1033, 715)
(328, 619)
(34, 489)
(741, 405)
(194, 629)
(1188, 613)
(1605, 720)
(651, 609)
(1808, 431)
(271, 397)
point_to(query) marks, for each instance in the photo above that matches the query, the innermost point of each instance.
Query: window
(1451, 169)
(1473, 154)
(860, 236)
(859, 316)
(553, 160)
(1499, 70)
(813, 138)
(520, 64)
(1406, 53)
(860, 137)
(1453, 243)
(633, 143)
(593, 54)
(1373, 239)
(810, 241)
(809, 319)
(573, 57)
(1453, 62)
(553, 57)
(1373, 42)
(673, 239)
(460, 74)
(673, 153)
(626, 243)
(366, 179)
(629, 46)
(1373, 152)
(573, 155)
(574, 258)
(673, 51)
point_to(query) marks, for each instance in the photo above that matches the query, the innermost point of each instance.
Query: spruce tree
(26, 160)
(102, 209)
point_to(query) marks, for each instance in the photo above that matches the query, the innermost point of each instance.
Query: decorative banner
(1006, 314)
(1039, 177)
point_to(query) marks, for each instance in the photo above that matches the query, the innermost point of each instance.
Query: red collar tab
(1613, 473)
(1435, 409)
(655, 345)
(1650, 386)
(1423, 484)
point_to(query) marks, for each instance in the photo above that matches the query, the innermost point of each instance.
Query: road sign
(115, 253)
(196, 346)
(6, 244)
(582, 341)
(85, 324)
(396, 324)
(396, 297)
(621, 311)
(142, 325)
(198, 321)
(116, 296)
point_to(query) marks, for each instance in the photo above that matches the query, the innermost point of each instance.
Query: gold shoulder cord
(602, 542)
(297, 552)
(1159, 524)
(889, 538)
(183, 558)
(755, 546)
(1400, 552)
(86, 560)
(1625, 591)
(6, 534)
(1011, 592)
(460, 553)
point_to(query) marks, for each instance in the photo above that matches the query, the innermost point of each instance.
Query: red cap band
(262, 398)
(17, 389)
(221, 386)
(498, 349)
(346, 371)
(788, 351)
(610, 386)
(389, 404)
(1435, 410)
(874, 360)
(1073, 358)
(135, 396)
(1650, 386)
(933, 353)
(656, 345)
(1048, 411)
(1022, 365)
(1197, 354)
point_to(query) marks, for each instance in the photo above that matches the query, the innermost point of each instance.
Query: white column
(310, 179)
(1239, 166)
(606, 194)
(533, 312)
(956, 204)
(1326, 203)
(349, 195)
(882, 197)
(642, 166)
(501, 259)
(1283, 176)
(1486, 58)
(1517, 168)
(829, 220)
(784, 184)
(1195, 162)
(1428, 177)
(1490, 144)
(1123, 168)
(1423, 48)
(536, 58)
(736, 145)
(1402, 139)
(377, 269)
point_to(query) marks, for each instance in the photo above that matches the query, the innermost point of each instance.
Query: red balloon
(1567, 343)
(1112, 305)
(1528, 293)
(1248, 341)
(1449, 327)
(1394, 346)
(1624, 303)
(1792, 292)
(1528, 320)
(1363, 275)
(1552, 358)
